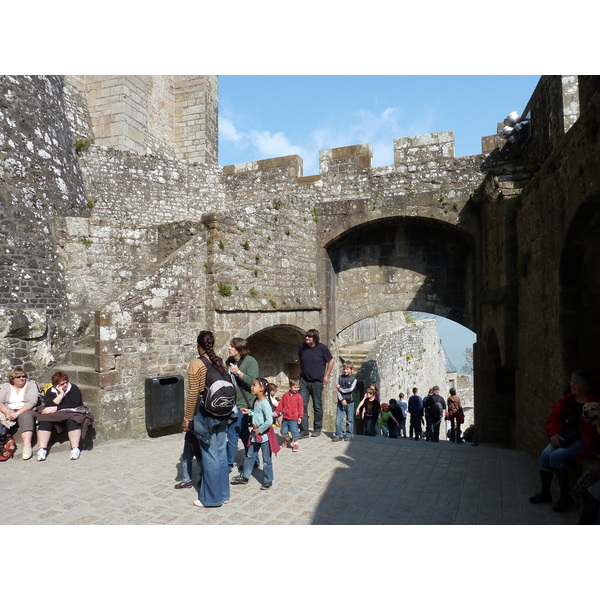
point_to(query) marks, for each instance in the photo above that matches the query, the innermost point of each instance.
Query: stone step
(357, 353)
(78, 375)
(91, 397)
(83, 358)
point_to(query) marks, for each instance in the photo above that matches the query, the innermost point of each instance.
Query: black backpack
(437, 408)
(218, 397)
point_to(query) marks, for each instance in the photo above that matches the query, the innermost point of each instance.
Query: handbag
(459, 415)
(448, 416)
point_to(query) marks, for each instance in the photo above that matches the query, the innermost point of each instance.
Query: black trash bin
(164, 401)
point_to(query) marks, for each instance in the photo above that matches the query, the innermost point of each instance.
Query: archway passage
(403, 264)
(276, 350)
(580, 291)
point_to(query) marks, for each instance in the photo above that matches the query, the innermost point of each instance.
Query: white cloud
(228, 131)
(363, 127)
(272, 145)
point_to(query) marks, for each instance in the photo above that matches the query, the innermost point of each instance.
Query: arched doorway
(580, 291)
(275, 349)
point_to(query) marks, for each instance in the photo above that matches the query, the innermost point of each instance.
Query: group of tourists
(572, 433)
(214, 440)
(23, 405)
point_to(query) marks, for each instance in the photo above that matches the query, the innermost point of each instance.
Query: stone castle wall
(39, 180)
(120, 227)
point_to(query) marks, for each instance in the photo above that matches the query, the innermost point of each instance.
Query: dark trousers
(434, 432)
(312, 389)
(415, 425)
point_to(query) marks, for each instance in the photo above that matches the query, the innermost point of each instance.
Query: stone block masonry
(122, 234)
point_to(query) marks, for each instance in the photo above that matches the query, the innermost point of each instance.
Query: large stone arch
(400, 264)
(580, 291)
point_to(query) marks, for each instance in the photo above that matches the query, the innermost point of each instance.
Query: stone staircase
(357, 353)
(81, 370)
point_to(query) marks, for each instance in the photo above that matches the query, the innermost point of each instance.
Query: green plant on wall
(252, 292)
(224, 290)
(246, 245)
(82, 144)
(85, 241)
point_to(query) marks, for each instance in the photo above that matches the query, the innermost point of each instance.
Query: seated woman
(60, 404)
(17, 399)
(571, 438)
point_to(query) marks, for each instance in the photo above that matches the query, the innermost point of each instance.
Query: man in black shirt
(315, 363)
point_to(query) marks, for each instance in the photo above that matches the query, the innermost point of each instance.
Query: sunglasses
(21, 377)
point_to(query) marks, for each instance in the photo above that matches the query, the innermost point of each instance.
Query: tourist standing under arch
(315, 363)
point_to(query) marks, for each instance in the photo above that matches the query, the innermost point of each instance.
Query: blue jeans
(385, 432)
(290, 425)
(559, 458)
(235, 430)
(314, 389)
(212, 435)
(394, 429)
(344, 413)
(191, 448)
(252, 458)
(371, 427)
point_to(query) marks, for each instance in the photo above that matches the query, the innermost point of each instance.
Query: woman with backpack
(211, 431)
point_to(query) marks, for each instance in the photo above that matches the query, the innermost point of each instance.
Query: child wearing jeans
(370, 411)
(345, 403)
(291, 410)
(262, 421)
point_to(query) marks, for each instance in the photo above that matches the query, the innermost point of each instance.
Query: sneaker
(315, 434)
(200, 505)
(304, 434)
(239, 480)
(41, 454)
(286, 442)
(336, 438)
(74, 454)
(183, 485)
(347, 439)
(266, 485)
(295, 448)
(27, 452)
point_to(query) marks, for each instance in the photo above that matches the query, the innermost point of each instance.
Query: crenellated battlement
(409, 154)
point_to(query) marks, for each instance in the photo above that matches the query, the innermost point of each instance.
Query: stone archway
(580, 291)
(400, 264)
(275, 350)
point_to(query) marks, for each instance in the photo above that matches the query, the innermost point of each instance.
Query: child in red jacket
(291, 408)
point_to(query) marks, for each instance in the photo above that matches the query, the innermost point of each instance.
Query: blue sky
(270, 116)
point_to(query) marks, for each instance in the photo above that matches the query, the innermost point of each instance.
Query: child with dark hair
(369, 410)
(262, 421)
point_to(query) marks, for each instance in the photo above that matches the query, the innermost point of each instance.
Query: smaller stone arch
(580, 291)
(495, 402)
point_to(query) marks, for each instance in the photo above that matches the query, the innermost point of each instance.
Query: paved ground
(369, 481)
